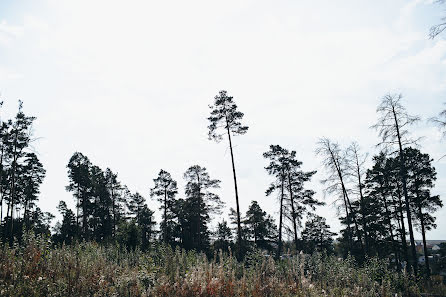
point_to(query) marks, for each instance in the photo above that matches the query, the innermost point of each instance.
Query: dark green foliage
(224, 114)
(21, 174)
(317, 235)
(165, 190)
(67, 231)
(196, 209)
(295, 200)
(260, 227)
(223, 237)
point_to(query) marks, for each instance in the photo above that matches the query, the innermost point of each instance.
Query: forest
(380, 208)
(181, 236)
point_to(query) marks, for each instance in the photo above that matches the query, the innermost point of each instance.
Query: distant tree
(165, 190)
(440, 122)
(102, 216)
(80, 184)
(223, 236)
(146, 225)
(438, 28)
(128, 234)
(19, 140)
(224, 115)
(277, 168)
(31, 175)
(378, 205)
(334, 161)
(317, 235)
(117, 202)
(355, 162)
(262, 229)
(67, 231)
(4, 170)
(301, 200)
(392, 126)
(200, 202)
(421, 176)
(135, 205)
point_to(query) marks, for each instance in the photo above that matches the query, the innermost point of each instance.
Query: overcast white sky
(128, 83)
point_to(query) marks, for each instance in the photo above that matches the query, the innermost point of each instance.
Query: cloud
(9, 33)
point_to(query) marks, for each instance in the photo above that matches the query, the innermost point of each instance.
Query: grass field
(87, 269)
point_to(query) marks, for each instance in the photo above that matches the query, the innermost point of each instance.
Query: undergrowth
(35, 268)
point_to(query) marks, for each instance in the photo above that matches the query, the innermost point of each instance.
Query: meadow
(36, 268)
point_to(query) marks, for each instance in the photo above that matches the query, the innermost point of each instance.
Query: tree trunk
(423, 233)
(406, 196)
(165, 215)
(361, 197)
(239, 226)
(1, 186)
(293, 214)
(346, 202)
(389, 222)
(279, 246)
(403, 228)
(199, 212)
(13, 173)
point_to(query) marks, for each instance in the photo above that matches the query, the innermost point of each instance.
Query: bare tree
(392, 127)
(438, 28)
(440, 122)
(356, 169)
(334, 162)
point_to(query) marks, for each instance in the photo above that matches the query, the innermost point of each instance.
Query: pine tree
(225, 115)
(165, 190)
(31, 175)
(67, 231)
(223, 236)
(421, 176)
(80, 184)
(392, 126)
(317, 235)
(379, 205)
(277, 168)
(199, 204)
(20, 138)
(261, 227)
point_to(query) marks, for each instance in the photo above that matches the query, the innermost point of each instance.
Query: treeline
(380, 205)
(383, 204)
(21, 174)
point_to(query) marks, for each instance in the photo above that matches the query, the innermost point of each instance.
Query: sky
(128, 83)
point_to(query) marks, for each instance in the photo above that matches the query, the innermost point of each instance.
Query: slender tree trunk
(1, 185)
(346, 202)
(199, 212)
(113, 209)
(165, 215)
(349, 230)
(293, 214)
(279, 246)
(13, 175)
(423, 233)
(77, 205)
(389, 222)
(239, 226)
(406, 196)
(403, 228)
(84, 216)
(361, 197)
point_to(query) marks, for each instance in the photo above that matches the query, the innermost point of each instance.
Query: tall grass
(87, 269)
